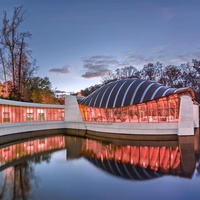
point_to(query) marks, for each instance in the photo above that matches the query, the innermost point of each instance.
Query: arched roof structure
(126, 171)
(127, 92)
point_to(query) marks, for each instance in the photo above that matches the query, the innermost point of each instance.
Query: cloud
(93, 74)
(161, 50)
(98, 66)
(160, 54)
(137, 59)
(196, 55)
(184, 58)
(62, 70)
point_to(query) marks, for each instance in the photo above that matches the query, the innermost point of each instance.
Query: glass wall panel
(41, 114)
(49, 114)
(17, 114)
(110, 115)
(88, 114)
(117, 114)
(9, 113)
(60, 114)
(29, 114)
(35, 114)
(142, 112)
(124, 114)
(161, 110)
(100, 115)
(152, 111)
(6, 113)
(96, 115)
(12, 114)
(173, 108)
(55, 114)
(133, 113)
(104, 115)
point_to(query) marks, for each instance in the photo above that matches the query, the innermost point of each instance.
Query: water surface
(66, 167)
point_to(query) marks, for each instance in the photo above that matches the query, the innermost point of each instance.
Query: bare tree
(189, 76)
(130, 71)
(108, 78)
(196, 65)
(172, 75)
(120, 73)
(4, 66)
(15, 58)
(148, 72)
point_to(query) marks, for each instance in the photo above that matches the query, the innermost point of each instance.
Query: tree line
(185, 75)
(18, 67)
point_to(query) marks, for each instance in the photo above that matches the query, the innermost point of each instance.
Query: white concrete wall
(134, 128)
(114, 128)
(11, 128)
(72, 111)
(196, 115)
(186, 116)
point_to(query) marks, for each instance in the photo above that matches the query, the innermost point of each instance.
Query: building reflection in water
(136, 160)
(15, 151)
(143, 162)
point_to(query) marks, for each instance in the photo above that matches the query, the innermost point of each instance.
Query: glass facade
(11, 113)
(164, 109)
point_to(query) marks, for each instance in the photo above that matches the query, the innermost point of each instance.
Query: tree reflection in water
(22, 175)
(198, 163)
(18, 161)
(18, 179)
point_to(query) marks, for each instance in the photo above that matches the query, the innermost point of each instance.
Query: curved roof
(126, 92)
(126, 171)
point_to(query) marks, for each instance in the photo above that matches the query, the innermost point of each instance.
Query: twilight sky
(76, 42)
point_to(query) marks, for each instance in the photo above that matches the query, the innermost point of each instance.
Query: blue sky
(76, 42)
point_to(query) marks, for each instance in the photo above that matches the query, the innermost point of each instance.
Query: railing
(13, 111)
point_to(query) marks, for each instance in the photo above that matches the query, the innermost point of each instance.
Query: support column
(196, 115)
(186, 121)
(72, 112)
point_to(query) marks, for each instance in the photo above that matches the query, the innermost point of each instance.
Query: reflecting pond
(66, 167)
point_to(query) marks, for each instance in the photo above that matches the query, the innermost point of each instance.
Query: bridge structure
(21, 117)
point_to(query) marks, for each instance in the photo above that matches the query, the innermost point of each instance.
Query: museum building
(133, 101)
